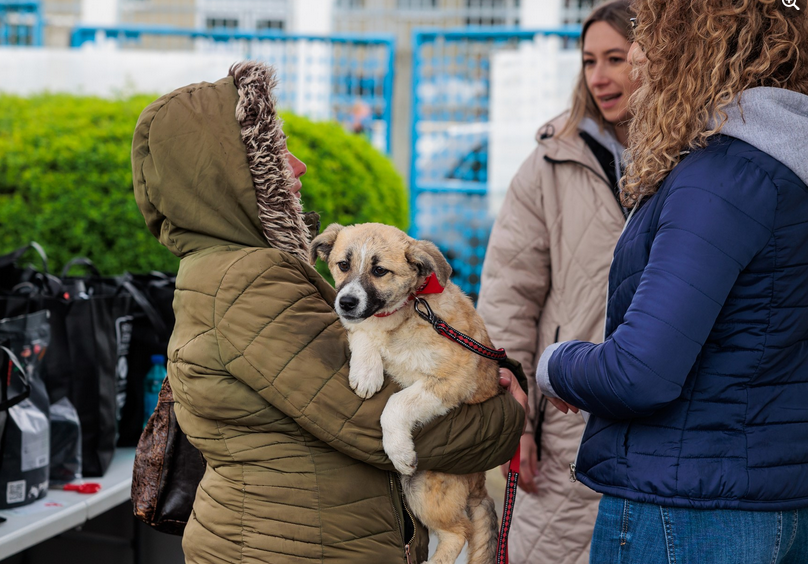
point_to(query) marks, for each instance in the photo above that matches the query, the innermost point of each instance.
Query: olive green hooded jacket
(258, 359)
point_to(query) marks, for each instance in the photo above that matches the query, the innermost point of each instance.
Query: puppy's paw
(401, 451)
(365, 380)
(405, 463)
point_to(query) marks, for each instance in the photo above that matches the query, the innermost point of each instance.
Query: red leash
(453, 334)
(507, 509)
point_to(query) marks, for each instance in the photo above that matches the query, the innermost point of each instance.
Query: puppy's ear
(322, 244)
(427, 258)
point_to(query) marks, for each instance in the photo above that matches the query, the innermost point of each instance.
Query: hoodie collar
(607, 139)
(775, 121)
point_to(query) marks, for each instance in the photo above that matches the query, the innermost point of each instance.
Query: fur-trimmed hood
(209, 168)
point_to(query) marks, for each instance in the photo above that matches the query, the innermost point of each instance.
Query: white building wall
(529, 86)
(312, 16)
(101, 69)
(104, 72)
(540, 14)
(99, 12)
(313, 87)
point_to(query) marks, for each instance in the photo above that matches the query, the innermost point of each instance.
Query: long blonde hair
(700, 55)
(617, 14)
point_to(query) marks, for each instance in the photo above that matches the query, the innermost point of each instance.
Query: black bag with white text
(25, 446)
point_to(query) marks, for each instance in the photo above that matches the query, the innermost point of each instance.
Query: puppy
(378, 269)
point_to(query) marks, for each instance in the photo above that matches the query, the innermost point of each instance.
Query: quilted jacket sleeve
(710, 228)
(516, 273)
(279, 335)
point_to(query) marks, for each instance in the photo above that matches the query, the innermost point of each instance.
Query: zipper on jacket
(401, 526)
(412, 540)
(574, 463)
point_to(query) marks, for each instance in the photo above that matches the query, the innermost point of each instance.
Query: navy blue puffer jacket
(699, 395)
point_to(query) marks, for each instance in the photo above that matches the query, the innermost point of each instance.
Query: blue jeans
(629, 532)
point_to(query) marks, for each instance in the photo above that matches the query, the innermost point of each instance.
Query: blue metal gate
(449, 175)
(347, 78)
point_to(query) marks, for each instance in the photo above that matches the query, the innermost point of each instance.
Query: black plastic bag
(23, 288)
(91, 322)
(150, 333)
(26, 435)
(65, 459)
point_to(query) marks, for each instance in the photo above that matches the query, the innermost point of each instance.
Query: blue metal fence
(348, 78)
(21, 23)
(449, 169)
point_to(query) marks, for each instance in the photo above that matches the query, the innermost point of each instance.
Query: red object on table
(85, 488)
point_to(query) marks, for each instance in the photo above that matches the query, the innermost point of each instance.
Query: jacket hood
(774, 120)
(209, 167)
(572, 148)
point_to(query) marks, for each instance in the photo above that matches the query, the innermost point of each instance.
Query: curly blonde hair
(700, 55)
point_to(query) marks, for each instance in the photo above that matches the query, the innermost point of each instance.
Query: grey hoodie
(774, 120)
(607, 139)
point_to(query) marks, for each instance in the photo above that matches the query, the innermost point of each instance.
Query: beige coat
(545, 280)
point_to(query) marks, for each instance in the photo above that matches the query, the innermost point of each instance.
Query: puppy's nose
(347, 303)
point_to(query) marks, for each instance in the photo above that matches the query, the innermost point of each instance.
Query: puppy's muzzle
(348, 304)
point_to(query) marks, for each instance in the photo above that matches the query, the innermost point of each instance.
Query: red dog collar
(430, 286)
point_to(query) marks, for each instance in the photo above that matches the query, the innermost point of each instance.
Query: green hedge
(66, 180)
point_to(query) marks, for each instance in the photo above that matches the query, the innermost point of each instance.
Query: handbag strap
(147, 307)
(6, 403)
(14, 256)
(83, 261)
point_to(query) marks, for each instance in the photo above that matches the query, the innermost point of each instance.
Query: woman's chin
(615, 116)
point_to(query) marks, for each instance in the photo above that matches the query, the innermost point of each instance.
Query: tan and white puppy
(377, 269)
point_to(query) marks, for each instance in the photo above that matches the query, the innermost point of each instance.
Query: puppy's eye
(344, 265)
(379, 271)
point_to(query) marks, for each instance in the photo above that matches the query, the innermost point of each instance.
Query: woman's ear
(322, 244)
(427, 258)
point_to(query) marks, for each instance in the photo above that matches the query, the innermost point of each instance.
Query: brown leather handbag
(167, 470)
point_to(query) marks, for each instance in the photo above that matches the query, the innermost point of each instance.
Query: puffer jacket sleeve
(279, 335)
(516, 273)
(710, 228)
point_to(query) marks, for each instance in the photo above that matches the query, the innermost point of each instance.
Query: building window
(492, 12)
(262, 25)
(222, 23)
(351, 4)
(20, 35)
(576, 11)
(416, 4)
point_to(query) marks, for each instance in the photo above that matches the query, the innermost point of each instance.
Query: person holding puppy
(698, 398)
(258, 360)
(545, 274)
